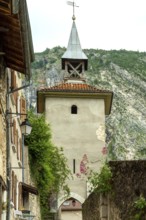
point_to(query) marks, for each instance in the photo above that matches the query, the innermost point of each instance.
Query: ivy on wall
(48, 164)
(101, 182)
(140, 206)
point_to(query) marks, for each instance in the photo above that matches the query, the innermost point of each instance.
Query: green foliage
(38, 64)
(133, 61)
(140, 206)
(101, 182)
(140, 203)
(44, 52)
(47, 162)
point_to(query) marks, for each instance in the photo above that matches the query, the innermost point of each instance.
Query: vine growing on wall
(101, 181)
(48, 164)
(140, 206)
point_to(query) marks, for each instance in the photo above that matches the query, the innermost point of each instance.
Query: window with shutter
(20, 197)
(18, 105)
(25, 199)
(23, 108)
(15, 94)
(14, 132)
(15, 190)
(13, 185)
(2, 197)
(20, 145)
(17, 144)
(14, 86)
(13, 80)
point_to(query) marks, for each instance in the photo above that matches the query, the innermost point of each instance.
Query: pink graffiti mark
(83, 165)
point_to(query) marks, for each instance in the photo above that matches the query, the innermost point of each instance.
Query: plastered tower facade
(76, 112)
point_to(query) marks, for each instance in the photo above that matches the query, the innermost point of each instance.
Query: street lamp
(26, 127)
(26, 130)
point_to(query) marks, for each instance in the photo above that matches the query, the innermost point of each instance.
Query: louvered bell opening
(75, 64)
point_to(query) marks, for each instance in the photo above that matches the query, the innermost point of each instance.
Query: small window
(74, 109)
(74, 166)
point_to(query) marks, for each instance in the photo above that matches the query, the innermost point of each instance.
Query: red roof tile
(74, 90)
(73, 87)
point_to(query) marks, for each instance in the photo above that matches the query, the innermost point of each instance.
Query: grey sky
(102, 24)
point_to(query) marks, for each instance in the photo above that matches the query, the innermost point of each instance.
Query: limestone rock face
(123, 72)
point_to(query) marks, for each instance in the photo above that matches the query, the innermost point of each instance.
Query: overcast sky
(101, 24)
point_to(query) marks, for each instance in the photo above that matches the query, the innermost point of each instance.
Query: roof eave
(107, 96)
(17, 41)
(29, 188)
(26, 37)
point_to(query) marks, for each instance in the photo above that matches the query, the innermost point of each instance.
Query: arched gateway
(72, 195)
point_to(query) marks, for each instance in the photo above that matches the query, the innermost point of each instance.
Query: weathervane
(74, 5)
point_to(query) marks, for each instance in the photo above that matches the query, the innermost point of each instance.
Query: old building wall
(3, 179)
(34, 199)
(3, 88)
(128, 184)
(15, 140)
(113, 211)
(78, 134)
(16, 54)
(90, 208)
(2, 146)
(23, 196)
(71, 215)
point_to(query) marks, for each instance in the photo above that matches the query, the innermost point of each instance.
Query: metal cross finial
(74, 5)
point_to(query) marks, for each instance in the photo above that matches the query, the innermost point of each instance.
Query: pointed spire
(74, 50)
(74, 61)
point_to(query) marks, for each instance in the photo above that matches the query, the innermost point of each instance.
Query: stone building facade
(17, 195)
(3, 171)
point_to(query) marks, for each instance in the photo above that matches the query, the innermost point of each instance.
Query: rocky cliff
(123, 72)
